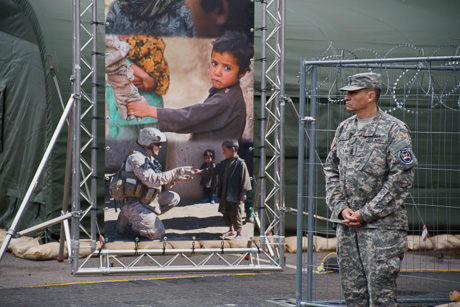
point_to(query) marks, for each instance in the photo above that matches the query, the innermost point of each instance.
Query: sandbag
(48, 251)
(444, 242)
(291, 244)
(184, 244)
(21, 248)
(215, 244)
(324, 244)
(18, 241)
(154, 245)
(415, 243)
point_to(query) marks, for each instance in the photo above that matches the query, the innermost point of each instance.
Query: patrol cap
(150, 135)
(231, 143)
(363, 80)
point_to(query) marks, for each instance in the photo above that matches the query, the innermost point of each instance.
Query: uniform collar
(369, 129)
(143, 151)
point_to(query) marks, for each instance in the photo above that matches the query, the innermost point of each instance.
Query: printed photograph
(179, 132)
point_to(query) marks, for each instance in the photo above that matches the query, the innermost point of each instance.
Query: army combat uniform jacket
(371, 170)
(141, 213)
(144, 168)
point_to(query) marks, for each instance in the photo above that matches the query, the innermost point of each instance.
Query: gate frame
(314, 64)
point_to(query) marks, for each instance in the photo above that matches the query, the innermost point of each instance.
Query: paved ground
(50, 283)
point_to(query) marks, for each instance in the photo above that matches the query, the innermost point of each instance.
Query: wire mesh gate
(424, 92)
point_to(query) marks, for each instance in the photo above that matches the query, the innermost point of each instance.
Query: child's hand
(195, 171)
(141, 108)
(142, 80)
(137, 81)
(243, 196)
(148, 83)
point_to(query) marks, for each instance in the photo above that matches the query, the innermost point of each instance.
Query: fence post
(300, 183)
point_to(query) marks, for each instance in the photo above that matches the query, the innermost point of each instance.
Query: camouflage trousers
(369, 263)
(143, 219)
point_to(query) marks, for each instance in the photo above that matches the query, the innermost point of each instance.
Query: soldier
(143, 178)
(369, 172)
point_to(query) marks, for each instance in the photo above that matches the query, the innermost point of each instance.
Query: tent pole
(300, 181)
(33, 184)
(65, 198)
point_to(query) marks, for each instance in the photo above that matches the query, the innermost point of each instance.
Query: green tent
(36, 44)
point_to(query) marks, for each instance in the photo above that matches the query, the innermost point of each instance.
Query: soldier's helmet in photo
(150, 135)
(363, 80)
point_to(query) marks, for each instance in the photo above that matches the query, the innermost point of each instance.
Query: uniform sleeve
(214, 114)
(335, 197)
(401, 162)
(148, 176)
(192, 119)
(211, 171)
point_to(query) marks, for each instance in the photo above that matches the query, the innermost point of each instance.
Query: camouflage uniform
(370, 170)
(143, 218)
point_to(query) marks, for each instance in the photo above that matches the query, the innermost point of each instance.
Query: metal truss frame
(269, 217)
(84, 111)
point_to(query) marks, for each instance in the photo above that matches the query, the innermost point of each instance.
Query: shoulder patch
(406, 156)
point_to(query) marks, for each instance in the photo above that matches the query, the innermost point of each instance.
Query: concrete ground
(50, 283)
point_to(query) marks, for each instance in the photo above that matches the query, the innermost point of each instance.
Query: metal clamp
(308, 119)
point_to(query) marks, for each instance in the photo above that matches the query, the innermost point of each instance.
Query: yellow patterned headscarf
(148, 53)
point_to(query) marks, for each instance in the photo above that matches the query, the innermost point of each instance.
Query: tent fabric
(28, 117)
(24, 115)
(374, 27)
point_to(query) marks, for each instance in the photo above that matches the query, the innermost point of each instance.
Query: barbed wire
(403, 84)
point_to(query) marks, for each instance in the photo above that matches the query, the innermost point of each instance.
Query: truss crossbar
(172, 260)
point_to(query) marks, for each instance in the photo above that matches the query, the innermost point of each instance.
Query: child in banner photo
(233, 184)
(223, 114)
(209, 184)
(150, 73)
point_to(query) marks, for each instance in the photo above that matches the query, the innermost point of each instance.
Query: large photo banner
(179, 133)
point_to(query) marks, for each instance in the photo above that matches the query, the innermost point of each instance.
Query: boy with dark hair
(223, 114)
(233, 183)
